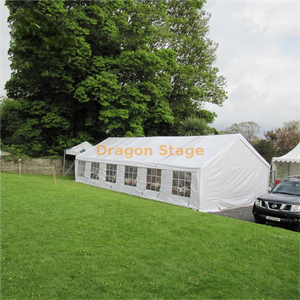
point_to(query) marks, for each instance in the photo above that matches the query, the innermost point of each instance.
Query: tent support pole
(273, 172)
(70, 168)
(64, 163)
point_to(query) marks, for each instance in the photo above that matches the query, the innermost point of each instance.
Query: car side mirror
(269, 189)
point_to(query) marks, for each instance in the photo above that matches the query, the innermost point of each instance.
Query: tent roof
(161, 156)
(79, 148)
(292, 156)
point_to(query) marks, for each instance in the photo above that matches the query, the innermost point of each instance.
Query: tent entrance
(78, 149)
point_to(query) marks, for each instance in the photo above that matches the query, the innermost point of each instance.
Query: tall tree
(284, 138)
(85, 70)
(10, 122)
(266, 149)
(248, 129)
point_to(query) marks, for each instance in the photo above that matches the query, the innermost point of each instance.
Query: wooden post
(64, 162)
(19, 160)
(54, 175)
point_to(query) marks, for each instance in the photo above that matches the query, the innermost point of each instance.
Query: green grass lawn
(74, 241)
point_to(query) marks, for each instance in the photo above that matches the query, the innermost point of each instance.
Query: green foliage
(285, 138)
(86, 70)
(74, 241)
(194, 126)
(248, 129)
(10, 122)
(14, 153)
(266, 149)
(208, 116)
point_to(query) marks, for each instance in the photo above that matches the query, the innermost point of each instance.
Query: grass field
(74, 241)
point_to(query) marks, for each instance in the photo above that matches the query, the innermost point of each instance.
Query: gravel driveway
(243, 213)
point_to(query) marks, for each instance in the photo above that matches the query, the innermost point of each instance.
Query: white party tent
(75, 150)
(290, 162)
(205, 173)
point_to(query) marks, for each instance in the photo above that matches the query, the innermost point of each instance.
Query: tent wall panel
(293, 169)
(240, 178)
(290, 161)
(212, 178)
(289, 168)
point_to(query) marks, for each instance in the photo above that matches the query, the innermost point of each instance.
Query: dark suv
(281, 205)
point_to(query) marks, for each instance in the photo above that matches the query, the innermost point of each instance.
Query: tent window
(95, 170)
(81, 167)
(153, 179)
(130, 176)
(181, 184)
(111, 173)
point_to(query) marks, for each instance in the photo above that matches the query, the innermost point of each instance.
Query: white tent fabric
(290, 162)
(206, 173)
(79, 148)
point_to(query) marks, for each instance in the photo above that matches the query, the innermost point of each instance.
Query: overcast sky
(259, 56)
(258, 53)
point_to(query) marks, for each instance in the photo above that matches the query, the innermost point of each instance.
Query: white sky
(259, 56)
(259, 49)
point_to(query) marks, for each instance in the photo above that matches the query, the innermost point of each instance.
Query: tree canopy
(266, 149)
(86, 70)
(284, 138)
(248, 129)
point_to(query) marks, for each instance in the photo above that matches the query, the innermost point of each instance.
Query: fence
(43, 166)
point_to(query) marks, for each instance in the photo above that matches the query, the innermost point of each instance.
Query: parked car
(281, 206)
